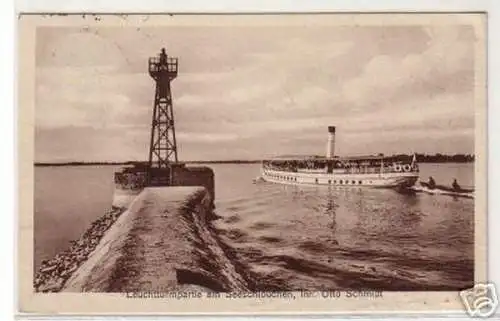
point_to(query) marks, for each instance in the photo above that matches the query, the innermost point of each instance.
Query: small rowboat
(444, 190)
(448, 189)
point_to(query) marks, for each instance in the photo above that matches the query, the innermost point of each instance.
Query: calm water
(67, 200)
(298, 236)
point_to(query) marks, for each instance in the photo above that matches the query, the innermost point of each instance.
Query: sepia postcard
(253, 164)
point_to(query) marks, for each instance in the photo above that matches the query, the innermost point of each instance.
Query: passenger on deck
(455, 185)
(432, 183)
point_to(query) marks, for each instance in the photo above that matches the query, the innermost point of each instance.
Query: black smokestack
(330, 145)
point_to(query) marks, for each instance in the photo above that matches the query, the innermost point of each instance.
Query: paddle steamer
(373, 171)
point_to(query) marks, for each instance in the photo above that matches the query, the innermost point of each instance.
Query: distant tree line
(441, 158)
(76, 163)
(143, 163)
(421, 158)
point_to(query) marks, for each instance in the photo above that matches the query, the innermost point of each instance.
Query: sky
(251, 92)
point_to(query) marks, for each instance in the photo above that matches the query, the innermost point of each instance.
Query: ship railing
(368, 170)
(312, 170)
(352, 169)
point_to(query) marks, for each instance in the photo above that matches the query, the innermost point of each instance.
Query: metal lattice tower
(163, 146)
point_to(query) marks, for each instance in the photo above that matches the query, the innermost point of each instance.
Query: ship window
(329, 181)
(354, 182)
(316, 180)
(334, 182)
(340, 182)
(360, 182)
(295, 178)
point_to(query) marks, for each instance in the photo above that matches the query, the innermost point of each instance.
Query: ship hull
(383, 180)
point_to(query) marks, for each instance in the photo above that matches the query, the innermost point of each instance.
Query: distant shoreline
(436, 159)
(132, 163)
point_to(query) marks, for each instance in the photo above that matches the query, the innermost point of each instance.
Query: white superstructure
(388, 180)
(373, 171)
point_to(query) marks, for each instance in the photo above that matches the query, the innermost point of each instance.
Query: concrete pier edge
(162, 241)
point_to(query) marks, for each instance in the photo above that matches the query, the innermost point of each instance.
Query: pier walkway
(162, 242)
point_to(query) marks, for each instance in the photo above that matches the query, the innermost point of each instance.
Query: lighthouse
(163, 146)
(330, 145)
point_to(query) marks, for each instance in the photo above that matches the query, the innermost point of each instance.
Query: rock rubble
(53, 273)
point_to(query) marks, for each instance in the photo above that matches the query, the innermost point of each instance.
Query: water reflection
(330, 210)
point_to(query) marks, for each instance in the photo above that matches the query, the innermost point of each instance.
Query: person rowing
(455, 185)
(432, 183)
